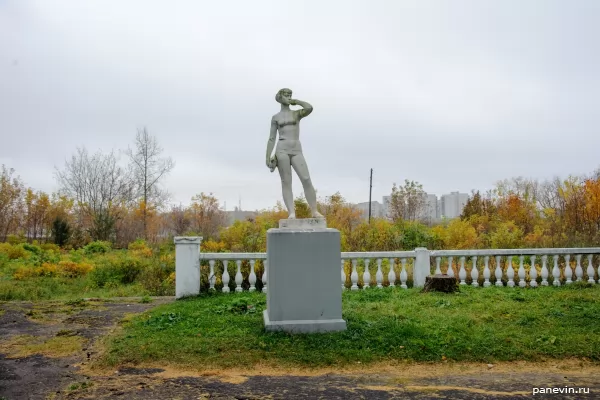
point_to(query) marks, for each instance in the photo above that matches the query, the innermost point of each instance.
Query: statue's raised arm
(306, 108)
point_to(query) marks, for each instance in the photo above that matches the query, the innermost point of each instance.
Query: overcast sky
(453, 94)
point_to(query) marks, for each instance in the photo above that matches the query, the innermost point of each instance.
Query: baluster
(403, 275)
(568, 269)
(556, 272)
(252, 277)
(379, 275)
(366, 275)
(510, 272)
(498, 272)
(264, 277)
(392, 273)
(438, 270)
(211, 275)
(486, 271)
(225, 277)
(450, 271)
(578, 269)
(475, 273)
(354, 276)
(462, 273)
(522, 282)
(343, 276)
(533, 273)
(590, 270)
(545, 272)
(238, 276)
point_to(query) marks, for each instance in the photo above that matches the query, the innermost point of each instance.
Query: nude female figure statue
(288, 152)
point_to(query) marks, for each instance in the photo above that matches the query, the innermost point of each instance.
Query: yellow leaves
(211, 246)
(68, 269)
(458, 235)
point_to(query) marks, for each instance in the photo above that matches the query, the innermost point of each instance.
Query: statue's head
(283, 94)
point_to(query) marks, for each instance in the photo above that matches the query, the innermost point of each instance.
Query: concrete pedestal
(304, 293)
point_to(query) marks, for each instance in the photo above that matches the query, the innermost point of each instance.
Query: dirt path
(45, 349)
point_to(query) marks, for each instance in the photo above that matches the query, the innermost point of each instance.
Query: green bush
(32, 248)
(13, 252)
(16, 239)
(50, 246)
(116, 270)
(97, 247)
(158, 279)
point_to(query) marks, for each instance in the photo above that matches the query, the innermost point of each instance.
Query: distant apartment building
(376, 209)
(430, 212)
(238, 215)
(385, 206)
(447, 206)
(452, 205)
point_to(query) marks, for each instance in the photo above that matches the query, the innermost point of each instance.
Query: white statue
(288, 152)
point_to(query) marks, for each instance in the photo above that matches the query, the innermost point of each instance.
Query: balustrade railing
(235, 272)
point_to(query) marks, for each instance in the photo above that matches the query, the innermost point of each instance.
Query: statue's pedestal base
(304, 291)
(303, 223)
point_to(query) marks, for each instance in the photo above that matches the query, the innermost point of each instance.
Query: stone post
(187, 266)
(422, 267)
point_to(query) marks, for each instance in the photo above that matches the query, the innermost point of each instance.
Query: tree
(37, 208)
(11, 202)
(99, 187)
(60, 231)
(207, 216)
(148, 170)
(407, 202)
(179, 220)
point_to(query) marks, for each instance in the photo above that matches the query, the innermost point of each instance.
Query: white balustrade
(211, 275)
(462, 273)
(420, 258)
(533, 273)
(545, 270)
(578, 269)
(522, 282)
(568, 270)
(498, 272)
(225, 277)
(238, 276)
(392, 273)
(510, 273)
(366, 275)
(556, 272)
(354, 275)
(590, 270)
(486, 272)
(474, 273)
(252, 277)
(403, 274)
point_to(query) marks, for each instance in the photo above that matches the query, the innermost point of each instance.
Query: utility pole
(370, 190)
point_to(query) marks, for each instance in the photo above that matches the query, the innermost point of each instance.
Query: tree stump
(440, 283)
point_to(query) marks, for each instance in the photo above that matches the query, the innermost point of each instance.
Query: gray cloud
(454, 94)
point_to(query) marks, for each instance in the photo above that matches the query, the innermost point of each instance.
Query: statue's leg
(299, 164)
(285, 172)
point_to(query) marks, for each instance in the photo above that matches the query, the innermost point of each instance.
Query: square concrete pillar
(187, 266)
(304, 293)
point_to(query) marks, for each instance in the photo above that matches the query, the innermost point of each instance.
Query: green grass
(46, 288)
(478, 324)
